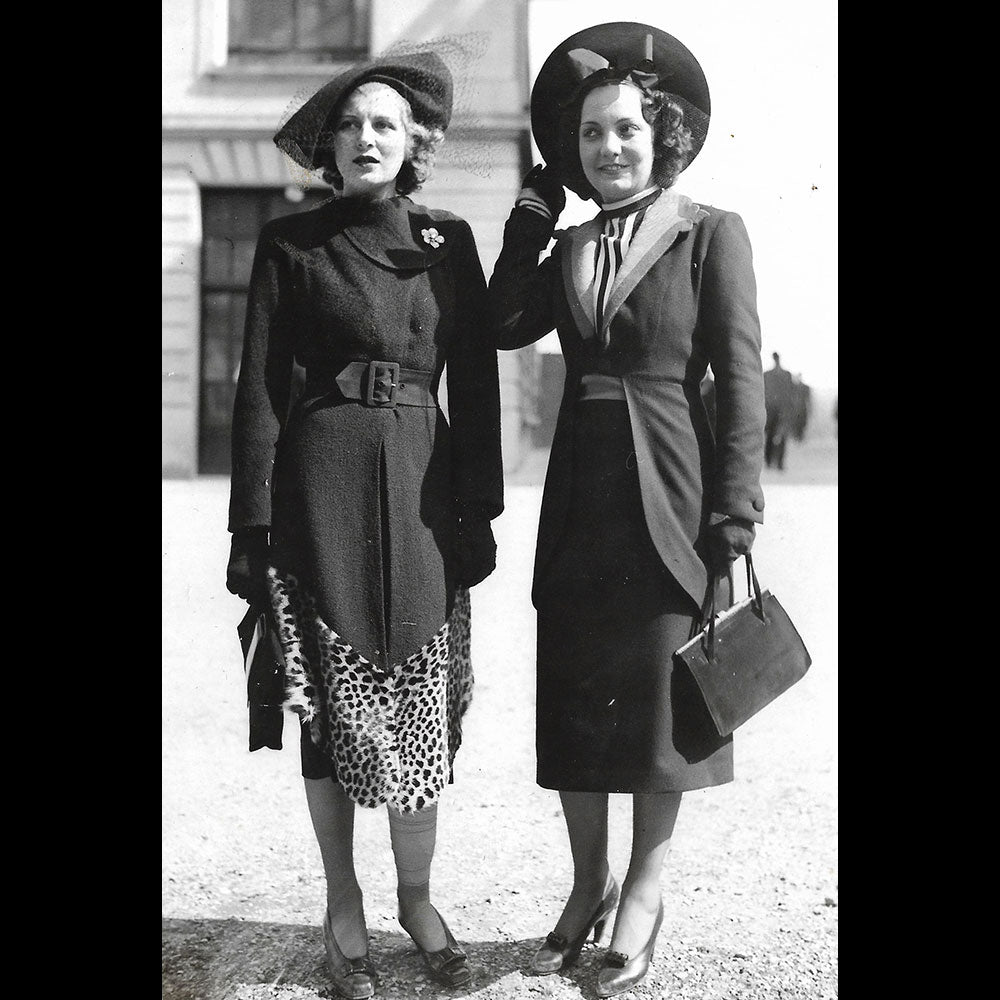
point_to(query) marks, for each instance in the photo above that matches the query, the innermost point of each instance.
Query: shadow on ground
(230, 959)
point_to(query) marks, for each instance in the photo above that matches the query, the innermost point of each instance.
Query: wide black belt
(382, 384)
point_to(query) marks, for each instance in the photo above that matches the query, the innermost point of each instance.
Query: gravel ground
(750, 886)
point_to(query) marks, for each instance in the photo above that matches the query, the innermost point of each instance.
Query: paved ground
(751, 882)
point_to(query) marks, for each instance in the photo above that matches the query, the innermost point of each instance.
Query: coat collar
(668, 216)
(397, 233)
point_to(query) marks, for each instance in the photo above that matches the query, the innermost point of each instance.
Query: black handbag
(265, 675)
(744, 657)
(263, 659)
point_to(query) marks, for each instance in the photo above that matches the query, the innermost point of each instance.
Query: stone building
(232, 71)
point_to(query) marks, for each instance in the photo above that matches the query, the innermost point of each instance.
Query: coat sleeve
(520, 288)
(263, 387)
(474, 393)
(728, 315)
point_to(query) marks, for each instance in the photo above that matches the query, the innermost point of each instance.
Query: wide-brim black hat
(421, 77)
(658, 61)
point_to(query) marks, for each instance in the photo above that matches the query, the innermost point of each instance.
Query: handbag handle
(708, 607)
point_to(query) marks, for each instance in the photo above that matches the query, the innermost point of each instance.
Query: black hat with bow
(421, 77)
(615, 52)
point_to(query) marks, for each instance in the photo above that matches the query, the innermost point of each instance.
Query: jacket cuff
(716, 518)
(746, 508)
(535, 204)
(531, 225)
(470, 511)
(252, 530)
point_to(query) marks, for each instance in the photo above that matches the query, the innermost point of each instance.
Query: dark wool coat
(684, 298)
(365, 499)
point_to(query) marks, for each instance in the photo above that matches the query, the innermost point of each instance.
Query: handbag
(263, 659)
(746, 656)
(264, 667)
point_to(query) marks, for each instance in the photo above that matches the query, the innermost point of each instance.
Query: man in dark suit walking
(802, 407)
(779, 402)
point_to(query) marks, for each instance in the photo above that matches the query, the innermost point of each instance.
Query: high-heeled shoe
(559, 952)
(450, 964)
(619, 973)
(353, 978)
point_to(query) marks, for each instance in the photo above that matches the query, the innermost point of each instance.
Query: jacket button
(758, 505)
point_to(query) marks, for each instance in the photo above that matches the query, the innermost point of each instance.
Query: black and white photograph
(500, 402)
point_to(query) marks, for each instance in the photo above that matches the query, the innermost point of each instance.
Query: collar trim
(612, 206)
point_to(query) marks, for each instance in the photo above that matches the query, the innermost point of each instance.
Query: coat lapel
(578, 274)
(668, 216)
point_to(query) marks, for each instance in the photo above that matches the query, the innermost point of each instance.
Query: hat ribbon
(590, 66)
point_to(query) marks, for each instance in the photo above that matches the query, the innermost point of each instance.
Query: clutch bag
(745, 656)
(265, 676)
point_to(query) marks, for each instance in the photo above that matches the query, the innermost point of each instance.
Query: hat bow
(591, 67)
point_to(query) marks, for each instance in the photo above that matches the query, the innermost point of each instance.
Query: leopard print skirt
(391, 735)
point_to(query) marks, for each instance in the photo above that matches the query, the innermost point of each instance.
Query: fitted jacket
(684, 298)
(316, 299)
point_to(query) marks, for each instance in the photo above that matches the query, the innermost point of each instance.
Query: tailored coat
(683, 298)
(363, 502)
(378, 506)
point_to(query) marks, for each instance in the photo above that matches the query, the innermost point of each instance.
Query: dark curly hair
(423, 144)
(672, 143)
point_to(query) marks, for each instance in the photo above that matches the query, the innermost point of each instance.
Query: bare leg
(413, 837)
(653, 818)
(332, 814)
(586, 816)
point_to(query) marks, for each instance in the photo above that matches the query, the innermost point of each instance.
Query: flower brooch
(433, 237)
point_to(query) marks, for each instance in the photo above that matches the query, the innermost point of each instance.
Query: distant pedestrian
(364, 516)
(779, 399)
(802, 396)
(644, 509)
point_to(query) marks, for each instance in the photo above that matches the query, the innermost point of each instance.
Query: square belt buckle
(383, 377)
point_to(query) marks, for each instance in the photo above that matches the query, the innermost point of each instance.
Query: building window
(231, 220)
(297, 31)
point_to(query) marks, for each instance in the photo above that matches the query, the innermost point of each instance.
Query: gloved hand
(727, 541)
(475, 551)
(543, 182)
(246, 574)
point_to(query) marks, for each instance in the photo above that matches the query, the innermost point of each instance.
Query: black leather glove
(543, 181)
(728, 540)
(475, 551)
(246, 574)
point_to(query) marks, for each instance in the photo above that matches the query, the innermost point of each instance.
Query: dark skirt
(614, 713)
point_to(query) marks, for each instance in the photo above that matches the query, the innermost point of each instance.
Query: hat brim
(421, 77)
(619, 42)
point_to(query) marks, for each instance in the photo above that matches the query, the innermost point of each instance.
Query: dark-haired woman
(360, 515)
(643, 508)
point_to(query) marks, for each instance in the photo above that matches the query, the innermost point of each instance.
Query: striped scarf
(621, 223)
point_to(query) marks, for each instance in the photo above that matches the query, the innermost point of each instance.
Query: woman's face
(370, 141)
(616, 142)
